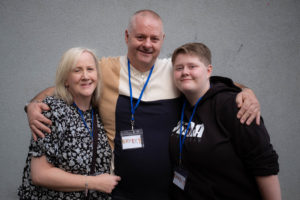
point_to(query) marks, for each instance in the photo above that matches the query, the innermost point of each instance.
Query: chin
(185, 87)
(146, 58)
(187, 90)
(87, 93)
(145, 61)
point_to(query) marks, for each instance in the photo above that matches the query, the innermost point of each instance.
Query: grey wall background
(255, 42)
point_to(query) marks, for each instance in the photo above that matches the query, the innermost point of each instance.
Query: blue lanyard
(140, 97)
(181, 142)
(82, 117)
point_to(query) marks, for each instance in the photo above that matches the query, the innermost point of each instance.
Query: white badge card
(132, 139)
(180, 177)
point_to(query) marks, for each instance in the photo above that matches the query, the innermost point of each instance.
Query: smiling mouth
(186, 79)
(145, 52)
(86, 84)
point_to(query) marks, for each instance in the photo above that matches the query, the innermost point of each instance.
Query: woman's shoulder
(57, 105)
(54, 101)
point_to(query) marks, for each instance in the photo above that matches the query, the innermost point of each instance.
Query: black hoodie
(221, 155)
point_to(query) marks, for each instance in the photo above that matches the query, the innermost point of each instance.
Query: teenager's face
(82, 80)
(191, 75)
(144, 41)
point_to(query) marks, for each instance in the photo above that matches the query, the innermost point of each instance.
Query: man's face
(144, 41)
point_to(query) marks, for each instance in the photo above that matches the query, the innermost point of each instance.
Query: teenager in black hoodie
(214, 155)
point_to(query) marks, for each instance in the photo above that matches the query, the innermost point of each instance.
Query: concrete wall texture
(255, 42)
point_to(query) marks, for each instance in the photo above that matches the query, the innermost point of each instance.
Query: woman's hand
(103, 182)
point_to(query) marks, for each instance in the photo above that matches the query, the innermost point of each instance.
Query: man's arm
(43, 94)
(248, 104)
(37, 121)
(269, 187)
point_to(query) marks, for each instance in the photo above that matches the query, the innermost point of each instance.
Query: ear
(209, 69)
(126, 36)
(66, 84)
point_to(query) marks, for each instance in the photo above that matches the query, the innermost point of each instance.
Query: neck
(83, 103)
(193, 97)
(140, 66)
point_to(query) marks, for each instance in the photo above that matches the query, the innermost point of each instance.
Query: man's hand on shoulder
(37, 121)
(249, 107)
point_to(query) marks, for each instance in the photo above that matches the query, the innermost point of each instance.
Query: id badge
(132, 139)
(180, 177)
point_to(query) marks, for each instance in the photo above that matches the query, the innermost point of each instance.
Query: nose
(84, 74)
(185, 71)
(147, 43)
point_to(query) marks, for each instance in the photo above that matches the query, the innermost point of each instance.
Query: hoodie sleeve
(224, 80)
(251, 143)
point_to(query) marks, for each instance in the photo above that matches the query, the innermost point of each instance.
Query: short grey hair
(145, 12)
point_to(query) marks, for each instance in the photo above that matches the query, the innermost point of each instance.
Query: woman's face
(191, 75)
(83, 78)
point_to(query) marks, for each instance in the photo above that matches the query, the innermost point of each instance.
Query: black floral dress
(68, 147)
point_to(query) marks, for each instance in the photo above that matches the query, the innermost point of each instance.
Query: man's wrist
(32, 101)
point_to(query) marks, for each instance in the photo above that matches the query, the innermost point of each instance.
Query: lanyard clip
(180, 162)
(132, 122)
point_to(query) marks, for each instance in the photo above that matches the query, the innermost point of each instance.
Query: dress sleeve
(251, 143)
(49, 145)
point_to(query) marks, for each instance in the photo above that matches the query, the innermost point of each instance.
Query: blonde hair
(66, 64)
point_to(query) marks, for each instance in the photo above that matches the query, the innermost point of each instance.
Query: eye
(140, 37)
(155, 39)
(91, 68)
(76, 69)
(179, 68)
(192, 66)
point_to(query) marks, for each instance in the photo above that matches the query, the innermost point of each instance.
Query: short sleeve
(251, 143)
(49, 145)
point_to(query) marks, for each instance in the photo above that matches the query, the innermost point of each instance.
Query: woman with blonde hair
(74, 161)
